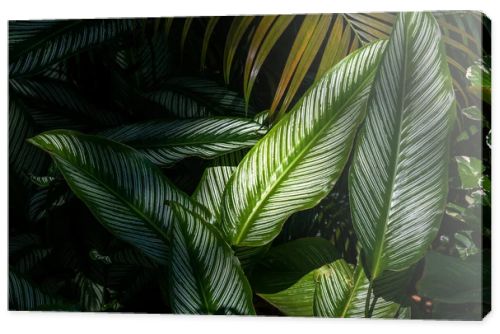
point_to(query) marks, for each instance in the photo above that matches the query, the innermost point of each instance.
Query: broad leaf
(334, 290)
(452, 280)
(398, 179)
(25, 296)
(59, 41)
(297, 163)
(297, 300)
(187, 97)
(205, 276)
(123, 190)
(24, 159)
(285, 264)
(213, 181)
(166, 142)
(342, 293)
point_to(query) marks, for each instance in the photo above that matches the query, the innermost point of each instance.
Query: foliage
(303, 165)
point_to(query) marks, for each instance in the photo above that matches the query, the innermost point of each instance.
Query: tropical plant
(304, 165)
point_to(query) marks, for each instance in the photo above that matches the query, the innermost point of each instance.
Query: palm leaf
(205, 276)
(60, 41)
(253, 68)
(297, 163)
(212, 22)
(311, 49)
(166, 142)
(123, 190)
(398, 179)
(238, 28)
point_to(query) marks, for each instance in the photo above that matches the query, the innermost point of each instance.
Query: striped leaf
(213, 181)
(205, 276)
(342, 292)
(24, 159)
(334, 290)
(398, 178)
(187, 97)
(24, 296)
(123, 190)
(59, 41)
(297, 163)
(167, 142)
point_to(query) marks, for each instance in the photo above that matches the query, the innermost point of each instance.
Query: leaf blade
(398, 179)
(253, 214)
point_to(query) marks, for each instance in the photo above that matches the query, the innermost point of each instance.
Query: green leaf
(470, 171)
(24, 159)
(205, 276)
(333, 290)
(297, 300)
(479, 76)
(212, 22)
(297, 163)
(398, 179)
(123, 190)
(473, 113)
(238, 28)
(370, 27)
(187, 97)
(60, 41)
(285, 264)
(452, 280)
(167, 142)
(308, 56)
(58, 104)
(24, 296)
(275, 31)
(185, 31)
(213, 181)
(342, 292)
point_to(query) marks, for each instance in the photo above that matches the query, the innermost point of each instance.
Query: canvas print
(326, 165)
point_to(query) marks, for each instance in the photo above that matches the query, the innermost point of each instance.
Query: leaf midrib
(265, 195)
(382, 228)
(358, 279)
(163, 235)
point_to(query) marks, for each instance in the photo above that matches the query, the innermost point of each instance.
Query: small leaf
(470, 171)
